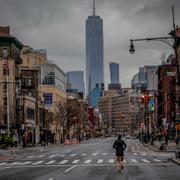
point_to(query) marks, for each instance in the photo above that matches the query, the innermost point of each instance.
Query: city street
(93, 159)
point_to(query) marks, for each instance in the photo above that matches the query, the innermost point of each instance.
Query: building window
(49, 79)
(48, 98)
(30, 113)
(26, 82)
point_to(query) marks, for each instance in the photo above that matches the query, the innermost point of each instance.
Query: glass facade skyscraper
(94, 52)
(114, 73)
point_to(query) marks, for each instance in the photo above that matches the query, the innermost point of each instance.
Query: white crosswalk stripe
(111, 161)
(94, 154)
(63, 162)
(53, 155)
(72, 155)
(41, 156)
(25, 163)
(28, 157)
(15, 163)
(51, 162)
(3, 163)
(62, 155)
(134, 160)
(100, 161)
(87, 161)
(157, 160)
(145, 160)
(75, 161)
(83, 154)
(104, 154)
(38, 162)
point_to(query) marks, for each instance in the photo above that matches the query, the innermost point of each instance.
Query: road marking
(51, 156)
(83, 154)
(41, 156)
(14, 163)
(145, 160)
(134, 160)
(72, 155)
(104, 154)
(143, 154)
(51, 162)
(3, 163)
(157, 160)
(100, 161)
(75, 161)
(28, 157)
(63, 155)
(94, 154)
(111, 160)
(50, 179)
(63, 162)
(4, 168)
(25, 163)
(69, 169)
(87, 161)
(39, 162)
(124, 161)
(134, 154)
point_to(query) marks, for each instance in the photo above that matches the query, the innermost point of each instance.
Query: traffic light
(145, 99)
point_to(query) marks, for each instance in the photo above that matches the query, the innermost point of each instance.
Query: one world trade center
(94, 53)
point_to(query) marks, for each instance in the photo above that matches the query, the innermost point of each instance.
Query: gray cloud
(59, 27)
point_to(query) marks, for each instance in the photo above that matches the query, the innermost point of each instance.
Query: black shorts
(121, 154)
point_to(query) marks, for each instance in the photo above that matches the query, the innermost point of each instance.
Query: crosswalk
(82, 161)
(75, 155)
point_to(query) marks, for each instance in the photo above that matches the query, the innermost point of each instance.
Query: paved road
(91, 160)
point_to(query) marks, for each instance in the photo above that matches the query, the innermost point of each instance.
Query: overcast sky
(59, 27)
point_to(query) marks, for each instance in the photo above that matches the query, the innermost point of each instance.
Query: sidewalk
(11, 152)
(171, 147)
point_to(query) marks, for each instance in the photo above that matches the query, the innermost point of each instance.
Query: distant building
(10, 48)
(152, 77)
(114, 87)
(94, 96)
(120, 110)
(146, 78)
(166, 101)
(94, 53)
(76, 81)
(114, 73)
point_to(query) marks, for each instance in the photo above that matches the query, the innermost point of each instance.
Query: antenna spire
(94, 8)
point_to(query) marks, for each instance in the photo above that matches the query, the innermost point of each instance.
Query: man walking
(120, 146)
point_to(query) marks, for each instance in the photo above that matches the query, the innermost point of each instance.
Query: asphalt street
(93, 160)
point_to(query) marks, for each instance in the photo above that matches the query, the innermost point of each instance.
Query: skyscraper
(114, 72)
(94, 52)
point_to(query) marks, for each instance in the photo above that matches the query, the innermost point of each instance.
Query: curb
(176, 161)
(156, 150)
